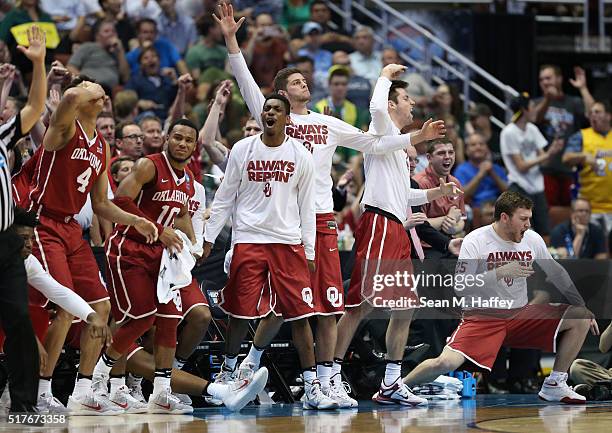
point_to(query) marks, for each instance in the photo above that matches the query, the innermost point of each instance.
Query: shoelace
(223, 375)
(342, 386)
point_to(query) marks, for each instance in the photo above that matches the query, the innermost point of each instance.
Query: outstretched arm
(36, 52)
(208, 132)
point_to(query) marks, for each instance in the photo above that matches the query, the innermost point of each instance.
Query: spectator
(578, 238)
(177, 28)
(153, 142)
(120, 168)
(365, 62)
(126, 105)
(130, 140)
(295, 13)
(522, 144)
(337, 103)
(482, 179)
(103, 60)
(419, 89)
(141, 9)
(208, 52)
(113, 10)
(106, 125)
(447, 213)
(446, 101)
(312, 48)
(591, 151)
(558, 116)
(169, 57)
(333, 38)
(25, 12)
(480, 122)
(156, 88)
(359, 89)
(69, 17)
(265, 51)
(452, 133)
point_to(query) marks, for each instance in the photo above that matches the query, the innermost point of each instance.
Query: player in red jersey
(162, 187)
(71, 165)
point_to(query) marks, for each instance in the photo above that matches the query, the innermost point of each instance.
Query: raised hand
(229, 26)
(58, 74)
(345, 178)
(449, 188)
(53, 100)
(579, 82)
(37, 50)
(393, 71)
(432, 130)
(224, 92)
(185, 82)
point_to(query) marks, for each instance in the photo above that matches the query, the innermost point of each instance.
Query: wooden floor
(484, 414)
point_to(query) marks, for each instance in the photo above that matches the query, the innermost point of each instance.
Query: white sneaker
(224, 377)
(339, 392)
(184, 398)
(449, 383)
(5, 402)
(248, 366)
(47, 404)
(560, 391)
(92, 404)
(122, 398)
(434, 391)
(397, 393)
(165, 402)
(136, 392)
(316, 399)
(242, 391)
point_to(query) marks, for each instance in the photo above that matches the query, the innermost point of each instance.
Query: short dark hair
(106, 114)
(146, 50)
(25, 218)
(318, 2)
(116, 165)
(508, 202)
(78, 79)
(556, 69)
(204, 24)
(184, 122)
(281, 98)
(303, 59)
(431, 145)
(395, 86)
(98, 24)
(339, 72)
(282, 77)
(119, 128)
(142, 21)
(605, 104)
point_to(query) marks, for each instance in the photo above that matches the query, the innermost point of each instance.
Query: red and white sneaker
(92, 404)
(560, 391)
(397, 393)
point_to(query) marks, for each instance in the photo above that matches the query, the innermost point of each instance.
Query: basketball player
(321, 135)
(380, 236)
(559, 328)
(71, 165)
(268, 190)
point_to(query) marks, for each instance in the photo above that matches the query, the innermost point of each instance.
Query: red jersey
(22, 180)
(63, 178)
(162, 199)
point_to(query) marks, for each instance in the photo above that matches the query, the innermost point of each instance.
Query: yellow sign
(20, 33)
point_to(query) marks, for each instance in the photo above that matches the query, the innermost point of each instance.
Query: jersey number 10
(167, 214)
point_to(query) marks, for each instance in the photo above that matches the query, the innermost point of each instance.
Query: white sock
(324, 374)
(44, 386)
(178, 363)
(82, 387)
(133, 380)
(104, 366)
(336, 368)
(254, 356)
(160, 384)
(230, 363)
(116, 382)
(392, 372)
(557, 377)
(309, 377)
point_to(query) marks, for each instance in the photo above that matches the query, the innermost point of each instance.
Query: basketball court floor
(485, 413)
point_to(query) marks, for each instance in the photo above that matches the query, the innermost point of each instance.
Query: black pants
(20, 345)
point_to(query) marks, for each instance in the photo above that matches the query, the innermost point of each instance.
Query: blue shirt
(157, 89)
(592, 244)
(168, 55)
(181, 33)
(487, 189)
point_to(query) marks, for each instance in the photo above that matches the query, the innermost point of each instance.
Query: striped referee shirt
(10, 133)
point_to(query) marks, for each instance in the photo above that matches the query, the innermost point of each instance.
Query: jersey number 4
(83, 180)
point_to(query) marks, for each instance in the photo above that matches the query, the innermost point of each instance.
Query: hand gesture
(449, 188)
(454, 246)
(94, 89)
(579, 82)
(99, 329)
(185, 83)
(206, 249)
(346, 178)
(169, 73)
(514, 270)
(37, 49)
(115, 46)
(551, 92)
(226, 20)
(393, 71)
(556, 146)
(171, 240)
(415, 219)
(58, 74)
(147, 229)
(432, 130)
(224, 93)
(579, 229)
(7, 72)
(53, 100)
(485, 166)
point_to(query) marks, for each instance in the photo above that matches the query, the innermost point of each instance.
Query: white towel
(175, 270)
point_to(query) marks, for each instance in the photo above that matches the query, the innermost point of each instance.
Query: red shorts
(383, 249)
(246, 294)
(132, 270)
(61, 249)
(192, 296)
(40, 322)
(326, 281)
(558, 189)
(479, 336)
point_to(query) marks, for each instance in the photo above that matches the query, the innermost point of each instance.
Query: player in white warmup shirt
(321, 135)
(502, 254)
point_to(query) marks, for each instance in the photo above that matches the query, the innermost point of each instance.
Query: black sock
(82, 376)
(110, 362)
(163, 372)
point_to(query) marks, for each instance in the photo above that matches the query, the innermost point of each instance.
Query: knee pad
(165, 332)
(125, 336)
